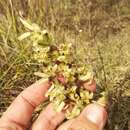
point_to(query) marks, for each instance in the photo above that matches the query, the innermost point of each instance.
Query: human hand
(20, 112)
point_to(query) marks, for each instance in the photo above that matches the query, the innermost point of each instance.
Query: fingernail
(96, 114)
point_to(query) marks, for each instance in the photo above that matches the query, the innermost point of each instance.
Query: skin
(19, 113)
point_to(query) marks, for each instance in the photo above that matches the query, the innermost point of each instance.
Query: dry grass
(100, 31)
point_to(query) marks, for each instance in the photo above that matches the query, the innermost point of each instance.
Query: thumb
(93, 117)
(96, 114)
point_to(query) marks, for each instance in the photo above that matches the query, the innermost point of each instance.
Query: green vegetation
(99, 31)
(69, 77)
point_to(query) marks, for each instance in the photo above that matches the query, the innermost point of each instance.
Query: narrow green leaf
(24, 35)
(26, 24)
(42, 75)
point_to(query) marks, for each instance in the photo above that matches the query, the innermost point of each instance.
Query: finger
(20, 111)
(78, 124)
(49, 119)
(93, 117)
(66, 125)
(96, 114)
(91, 85)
